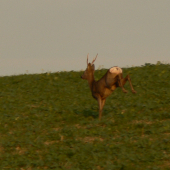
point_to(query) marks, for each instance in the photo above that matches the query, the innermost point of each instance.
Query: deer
(104, 87)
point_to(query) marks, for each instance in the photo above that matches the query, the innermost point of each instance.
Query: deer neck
(91, 81)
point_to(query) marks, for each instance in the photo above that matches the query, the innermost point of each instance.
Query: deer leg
(103, 103)
(121, 83)
(100, 106)
(100, 103)
(124, 80)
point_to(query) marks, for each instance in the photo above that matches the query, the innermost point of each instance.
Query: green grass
(50, 121)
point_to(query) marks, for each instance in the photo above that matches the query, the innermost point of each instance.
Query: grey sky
(57, 35)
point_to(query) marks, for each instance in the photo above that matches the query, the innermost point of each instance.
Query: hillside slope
(50, 121)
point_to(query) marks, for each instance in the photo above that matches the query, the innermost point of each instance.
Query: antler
(87, 58)
(94, 59)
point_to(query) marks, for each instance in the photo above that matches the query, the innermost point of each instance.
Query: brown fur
(102, 88)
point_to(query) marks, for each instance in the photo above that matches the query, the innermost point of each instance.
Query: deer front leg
(124, 80)
(100, 107)
(100, 104)
(103, 103)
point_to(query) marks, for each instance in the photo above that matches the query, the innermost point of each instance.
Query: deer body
(102, 88)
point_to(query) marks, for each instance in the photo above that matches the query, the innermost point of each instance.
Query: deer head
(89, 70)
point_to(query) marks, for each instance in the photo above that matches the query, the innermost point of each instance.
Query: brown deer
(102, 88)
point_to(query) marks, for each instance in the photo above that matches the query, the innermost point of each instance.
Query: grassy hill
(50, 121)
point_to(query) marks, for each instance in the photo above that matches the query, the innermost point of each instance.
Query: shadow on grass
(87, 113)
(90, 113)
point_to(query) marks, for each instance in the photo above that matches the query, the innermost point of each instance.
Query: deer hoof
(133, 91)
(125, 91)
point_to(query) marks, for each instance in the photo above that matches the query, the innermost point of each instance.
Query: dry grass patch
(80, 127)
(26, 168)
(57, 141)
(57, 129)
(1, 149)
(167, 134)
(30, 168)
(165, 164)
(89, 139)
(20, 150)
(142, 121)
(50, 142)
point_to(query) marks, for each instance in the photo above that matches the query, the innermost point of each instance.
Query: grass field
(50, 121)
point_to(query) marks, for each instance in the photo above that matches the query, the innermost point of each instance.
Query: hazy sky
(57, 35)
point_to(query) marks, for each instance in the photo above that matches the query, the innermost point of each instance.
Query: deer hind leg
(121, 82)
(124, 80)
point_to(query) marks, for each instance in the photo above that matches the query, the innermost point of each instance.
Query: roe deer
(102, 88)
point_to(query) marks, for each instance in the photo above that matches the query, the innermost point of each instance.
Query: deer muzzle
(83, 76)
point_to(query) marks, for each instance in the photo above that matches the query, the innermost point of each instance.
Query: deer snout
(82, 76)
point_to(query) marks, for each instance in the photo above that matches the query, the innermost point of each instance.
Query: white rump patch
(115, 70)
